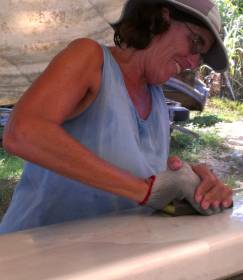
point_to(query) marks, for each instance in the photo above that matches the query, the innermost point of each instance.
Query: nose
(194, 60)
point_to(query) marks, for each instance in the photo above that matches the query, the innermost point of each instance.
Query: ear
(166, 14)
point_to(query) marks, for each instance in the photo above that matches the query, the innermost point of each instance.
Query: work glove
(169, 186)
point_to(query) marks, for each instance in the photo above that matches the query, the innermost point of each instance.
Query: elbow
(13, 138)
(8, 143)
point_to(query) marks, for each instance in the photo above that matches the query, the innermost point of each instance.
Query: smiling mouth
(178, 68)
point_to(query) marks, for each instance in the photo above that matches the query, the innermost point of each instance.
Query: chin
(165, 78)
(161, 77)
(159, 81)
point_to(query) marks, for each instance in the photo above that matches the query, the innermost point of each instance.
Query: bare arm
(34, 132)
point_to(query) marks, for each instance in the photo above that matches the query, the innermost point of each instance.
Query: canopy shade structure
(32, 32)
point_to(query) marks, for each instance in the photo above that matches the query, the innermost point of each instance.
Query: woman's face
(178, 49)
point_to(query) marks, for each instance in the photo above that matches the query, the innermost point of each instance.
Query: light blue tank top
(113, 130)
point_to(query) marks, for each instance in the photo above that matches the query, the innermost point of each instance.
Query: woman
(94, 128)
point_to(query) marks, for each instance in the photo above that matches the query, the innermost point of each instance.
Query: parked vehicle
(183, 97)
(4, 115)
(191, 97)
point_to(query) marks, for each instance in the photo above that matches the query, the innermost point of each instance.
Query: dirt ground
(230, 162)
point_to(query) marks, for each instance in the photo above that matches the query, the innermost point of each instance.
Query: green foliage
(205, 120)
(5, 198)
(217, 110)
(10, 170)
(232, 20)
(225, 109)
(189, 148)
(230, 9)
(239, 5)
(10, 166)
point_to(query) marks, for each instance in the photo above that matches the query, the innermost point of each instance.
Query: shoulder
(79, 56)
(85, 43)
(80, 61)
(84, 50)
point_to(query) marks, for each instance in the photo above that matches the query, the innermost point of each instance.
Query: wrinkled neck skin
(131, 63)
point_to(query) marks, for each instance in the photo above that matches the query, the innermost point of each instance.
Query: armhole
(102, 75)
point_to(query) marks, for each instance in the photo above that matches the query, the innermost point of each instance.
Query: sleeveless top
(113, 130)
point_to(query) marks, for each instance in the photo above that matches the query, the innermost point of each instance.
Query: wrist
(149, 182)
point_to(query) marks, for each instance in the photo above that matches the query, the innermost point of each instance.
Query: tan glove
(169, 186)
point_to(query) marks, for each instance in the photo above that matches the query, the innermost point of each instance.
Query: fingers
(208, 181)
(218, 196)
(227, 194)
(211, 193)
(174, 163)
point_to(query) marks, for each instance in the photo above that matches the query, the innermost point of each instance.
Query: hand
(211, 192)
(169, 186)
(174, 163)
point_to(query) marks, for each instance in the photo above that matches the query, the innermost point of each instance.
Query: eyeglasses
(197, 42)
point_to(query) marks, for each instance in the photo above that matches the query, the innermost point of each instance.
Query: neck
(131, 65)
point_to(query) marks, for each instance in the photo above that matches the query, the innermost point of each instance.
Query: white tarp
(33, 31)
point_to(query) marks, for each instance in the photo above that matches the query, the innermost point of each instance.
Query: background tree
(232, 20)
